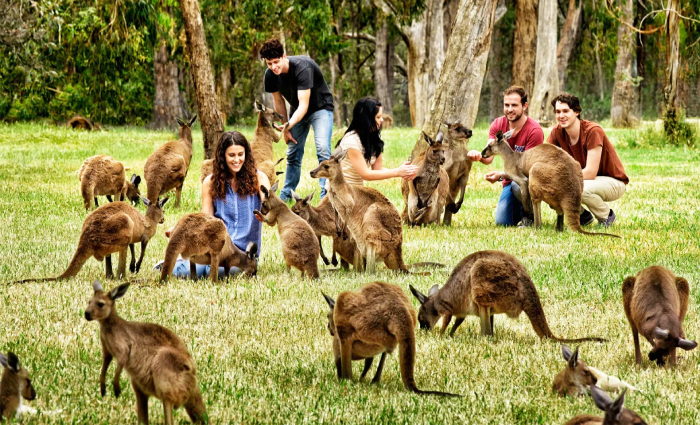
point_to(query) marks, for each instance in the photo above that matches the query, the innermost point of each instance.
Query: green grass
(261, 346)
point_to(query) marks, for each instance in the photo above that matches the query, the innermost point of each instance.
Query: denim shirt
(237, 214)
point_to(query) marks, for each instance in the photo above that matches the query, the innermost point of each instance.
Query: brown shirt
(592, 136)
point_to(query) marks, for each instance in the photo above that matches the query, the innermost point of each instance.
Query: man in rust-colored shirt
(525, 133)
(604, 177)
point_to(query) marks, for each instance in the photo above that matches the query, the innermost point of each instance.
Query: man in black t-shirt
(299, 80)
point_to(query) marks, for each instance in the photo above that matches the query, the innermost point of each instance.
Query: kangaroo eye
(100, 304)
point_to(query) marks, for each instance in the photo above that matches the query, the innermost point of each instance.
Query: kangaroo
(424, 198)
(154, 357)
(324, 222)
(166, 168)
(544, 173)
(457, 166)
(113, 228)
(102, 175)
(204, 239)
(300, 247)
(656, 302)
(483, 284)
(388, 121)
(615, 413)
(16, 384)
(576, 378)
(372, 220)
(372, 321)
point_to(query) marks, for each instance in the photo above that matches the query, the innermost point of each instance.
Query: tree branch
(400, 64)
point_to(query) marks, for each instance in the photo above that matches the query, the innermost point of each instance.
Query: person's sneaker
(586, 218)
(610, 220)
(526, 222)
(159, 265)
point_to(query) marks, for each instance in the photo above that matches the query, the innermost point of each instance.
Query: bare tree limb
(400, 64)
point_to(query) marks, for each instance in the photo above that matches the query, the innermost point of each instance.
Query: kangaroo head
(155, 211)
(664, 341)
(436, 151)
(427, 313)
(457, 131)
(302, 205)
(615, 412)
(101, 304)
(577, 377)
(269, 208)
(184, 130)
(132, 189)
(331, 305)
(496, 146)
(13, 369)
(330, 167)
(250, 263)
(266, 116)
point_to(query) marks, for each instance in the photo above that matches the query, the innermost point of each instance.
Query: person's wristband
(500, 179)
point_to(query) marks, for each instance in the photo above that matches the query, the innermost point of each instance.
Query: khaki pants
(599, 191)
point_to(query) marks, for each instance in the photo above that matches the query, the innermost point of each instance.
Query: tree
(546, 77)
(209, 117)
(384, 67)
(525, 44)
(624, 98)
(569, 37)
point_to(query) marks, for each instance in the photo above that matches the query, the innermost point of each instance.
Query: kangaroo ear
(686, 344)
(573, 360)
(339, 153)
(162, 203)
(660, 333)
(3, 361)
(427, 138)
(600, 398)
(273, 189)
(440, 137)
(259, 106)
(13, 362)
(146, 202)
(566, 352)
(179, 122)
(433, 290)
(329, 300)
(310, 197)
(499, 135)
(135, 180)
(296, 196)
(251, 249)
(615, 409)
(97, 286)
(416, 293)
(445, 122)
(189, 124)
(119, 291)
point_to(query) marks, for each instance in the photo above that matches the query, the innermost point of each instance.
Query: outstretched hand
(474, 156)
(408, 171)
(493, 176)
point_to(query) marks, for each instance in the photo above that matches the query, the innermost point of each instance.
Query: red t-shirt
(528, 137)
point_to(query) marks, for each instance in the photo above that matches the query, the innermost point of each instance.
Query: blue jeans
(322, 122)
(182, 270)
(509, 211)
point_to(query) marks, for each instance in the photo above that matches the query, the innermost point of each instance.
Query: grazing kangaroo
(101, 175)
(544, 173)
(576, 378)
(373, 221)
(656, 302)
(424, 198)
(615, 413)
(372, 321)
(113, 228)
(167, 167)
(483, 284)
(300, 247)
(16, 385)
(154, 357)
(458, 166)
(204, 239)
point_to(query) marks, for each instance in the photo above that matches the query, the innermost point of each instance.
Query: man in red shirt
(525, 133)
(604, 177)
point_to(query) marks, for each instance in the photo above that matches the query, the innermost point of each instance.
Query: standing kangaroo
(15, 385)
(458, 166)
(373, 321)
(204, 239)
(424, 198)
(544, 173)
(154, 357)
(167, 167)
(615, 413)
(113, 228)
(656, 302)
(483, 284)
(102, 175)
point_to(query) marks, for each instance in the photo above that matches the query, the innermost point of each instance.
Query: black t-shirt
(303, 74)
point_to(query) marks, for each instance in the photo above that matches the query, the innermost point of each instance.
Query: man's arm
(303, 96)
(280, 106)
(592, 163)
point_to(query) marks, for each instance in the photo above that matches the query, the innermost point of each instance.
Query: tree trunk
(202, 74)
(382, 70)
(546, 79)
(166, 100)
(494, 73)
(448, 18)
(223, 93)
(457, 95)
(569, 36)
(624, 98)
(672, 59)
(525, 44)
(600, 79)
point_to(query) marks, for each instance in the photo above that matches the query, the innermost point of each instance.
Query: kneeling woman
(231, 193)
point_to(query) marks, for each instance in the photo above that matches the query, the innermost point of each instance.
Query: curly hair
(571, 100)
(272, 49)
(246, 178)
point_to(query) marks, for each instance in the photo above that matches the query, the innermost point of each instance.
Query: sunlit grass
(261, 346)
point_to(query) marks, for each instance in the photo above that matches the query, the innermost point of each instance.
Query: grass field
(261, 346)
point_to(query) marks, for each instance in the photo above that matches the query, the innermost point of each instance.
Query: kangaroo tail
(41, 279)
(407, 357)
(426, 264)
(575, 224)
(87, 192)
(79, 258)
(153, 192)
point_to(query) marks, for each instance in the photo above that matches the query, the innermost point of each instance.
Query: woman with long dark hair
(231, 193)
(364, 144)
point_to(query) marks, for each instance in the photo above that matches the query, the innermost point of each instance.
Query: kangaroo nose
(87, 316)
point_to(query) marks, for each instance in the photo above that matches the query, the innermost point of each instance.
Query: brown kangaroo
(113, 228)
(372, 321)
(544, 173)
(167, 167)
(458, 166)
(424, 198)
(204, 239)
(656, 302)
(372, 220)
(576, 378)
(154, 357)
(16, 385)
(300, 247)
(483, 284)
(615, 413)
(324, 222)
(102, 175)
